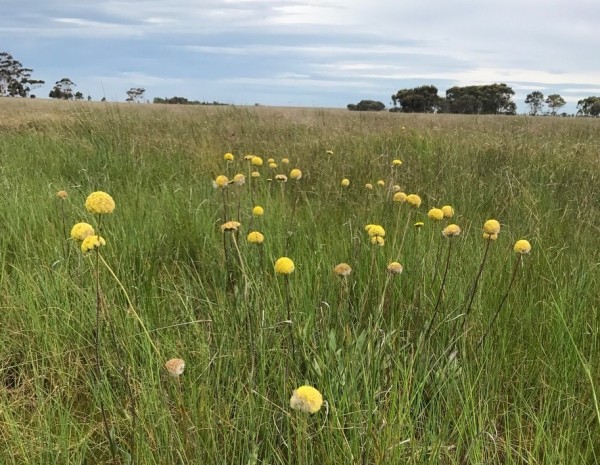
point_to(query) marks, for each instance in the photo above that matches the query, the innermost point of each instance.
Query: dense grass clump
(408, 341)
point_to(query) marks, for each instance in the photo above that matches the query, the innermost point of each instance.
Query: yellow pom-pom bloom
(285, 161)
(396, 162)
(369, 186)
(522, 246)
(396, 188)
(395, 268)
(62, 195)
(414, 200)
(295, 174)
(230, 226)
(284, 265)
(99, 202)
(248, 157)
(329, 152)
(491, 227)
(342, 269)
(448, 211)
(306, 399)
(221, 181)
(239, 179)
(490, 237)
(375, 230)
(256, 161)
(255, 237)
(82, 230)
(451, 230)
(255, 174)
(378, 240)
(281, 178)
(271, 160)
(92, 242)
(258, 211)
(345, 182)
(381, 183)
(435, 214)
(273, 165)
(175, 367)
(400, 197)
(228, 156)
(419, 224)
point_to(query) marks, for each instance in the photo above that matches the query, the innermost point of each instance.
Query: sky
(312, 53)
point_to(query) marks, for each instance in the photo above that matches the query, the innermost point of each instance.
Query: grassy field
(473, 354)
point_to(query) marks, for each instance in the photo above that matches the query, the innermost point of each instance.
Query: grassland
(526, 394)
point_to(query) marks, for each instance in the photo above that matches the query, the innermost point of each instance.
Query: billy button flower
(221, 181)
(99, 203)
(272, 165)
(399, 197)
(394, 268)
(414, 200)
(522, 247)
(306, 399)
(255, 237)
(91, 243)
(342, 270)
(419, 224)
(381, 183)
(285, 266)
(295, 174)
(256, 161)
(62, 195)
(285, 161)
(255, 174)
(81, 230)
(258, 211)
(369, 186)
(491, 227)
(230, 226)
(435, 214)
(396, 162)
(239, 179)
(228, 156)
(175, 367)
(345, 182)
(281, 178)
(448, 211)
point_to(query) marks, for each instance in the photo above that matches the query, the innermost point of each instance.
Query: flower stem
(439, 297)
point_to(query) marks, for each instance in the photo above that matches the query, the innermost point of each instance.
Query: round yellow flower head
(419, 224)
(62, 195)
(491, 227)
(248, 157)
(329, 152)
(295, 174)
(284, 265)
(381, 183)
(228, 156)
(255, 237)
(490, 237)
(221, 181)
(99, 202)
(255, 174)
(403, 128)
(345, 182)
(306, 399)
(396, 188)
(396, 162)
(451, 230)
(369, 186)
(239, 179)
(435, 214)
(258, 211)
(342, 270)
(414, 200)
(522, 246)
(448, 211)
(271, 160)
(378, 240)
(375, 230)
(400, 197)
(230, 226)
(285, 161)
(395, 268)
(273, 165)
(91, 243)
(82, 230)
(256, 161)
(175, 367)
(281, 177)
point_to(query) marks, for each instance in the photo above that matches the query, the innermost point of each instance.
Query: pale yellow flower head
(306, 399)
(255, 237)
(381, 183)
(285, 161)
(230, 226)
(522, 247)
(239, 179)
(400, 197)
(490, 237)
(81, 230)
(378, 240)
(175, 367)
(435, 214)
(375, 230)
(281, 178)
(221, 181)
(342, 270)
(369, 186)
(255, 174)
(258, 211)
(92, 242)
(396, 188)
(451, 230)
(329, 152)
(62, 195)
(272, 165)
(448, 211)
(491, 227)
(414, 200)
(396, 162)
(228, 156)
(271, 160)
(345, 182)
(100, 203)
(256, 161)
(395, 268)
(419, 224)
(248, 157)
(295, 174)
(284, 265)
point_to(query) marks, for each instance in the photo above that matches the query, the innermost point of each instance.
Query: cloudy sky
(306, 52)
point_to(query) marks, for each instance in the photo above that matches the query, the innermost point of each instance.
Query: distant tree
(89, 98)
(135, 94)
(555, 102)
(78, 96)
(15, 79)
(103, 99)
(493, 99)
(424, 99)
(367, 105)
(589, 106)
(535, 100)
(63, 89)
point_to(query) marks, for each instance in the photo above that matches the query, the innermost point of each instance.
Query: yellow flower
(419, 224)
(91, 243)
(99, 202)
(285, 161)
(273, 165)
(248, 157)
(400, 197)
(342, 269)
(435, 214)
(395, 268)
(255, 174)
(396, 188)
(491, 237)
(271, 160)
(256, 161)
(230, 226)
(414, 200)
(221, 181)
(522, 246)
(448, 211)
(491, 227)
(255, 237)
(62, 195)
(239, 179)
(329, 152)
(381, 183)
(378, 240)
(396, 162)
(228, 156)
(295, 174)
(345, 182)
(306, 399)
(451, 230)
(284, 265)
(258, 211)
(82, 230)
(281, 177)
(175, 367)
(369, 186)
(375, 230)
